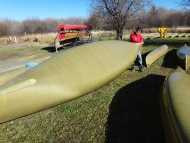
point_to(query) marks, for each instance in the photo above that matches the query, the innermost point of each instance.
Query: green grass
(125, 110)
(23, 51)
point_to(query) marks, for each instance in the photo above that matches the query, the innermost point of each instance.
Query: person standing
(136, 37)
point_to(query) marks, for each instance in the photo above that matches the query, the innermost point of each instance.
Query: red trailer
(68, 33)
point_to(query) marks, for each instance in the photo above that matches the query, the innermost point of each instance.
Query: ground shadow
(52, 48)
(134, 113)
(168, 41)
(49, 49)
(170, 59)
(144, 58)
(65, 47)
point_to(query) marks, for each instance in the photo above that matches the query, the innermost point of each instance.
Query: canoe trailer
(72, 34)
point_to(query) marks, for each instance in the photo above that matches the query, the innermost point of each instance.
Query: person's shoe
(132, 69)
(141, 69)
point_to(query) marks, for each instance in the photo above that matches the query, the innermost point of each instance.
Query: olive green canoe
(65, 76)
(174, 35)
(183, 55)
(175, 106)
(8, 75)
(12, 68)
(155, 54)
(18, 63)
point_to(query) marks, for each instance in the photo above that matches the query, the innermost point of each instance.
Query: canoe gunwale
(184, 61)
(156, 54)
(170, 94)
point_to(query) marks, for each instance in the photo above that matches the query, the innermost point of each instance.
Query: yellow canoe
(175, 107)
(183, 55)
(8, 75)
(12, 68)
(155, 54)
(18, 63)
(65, 76)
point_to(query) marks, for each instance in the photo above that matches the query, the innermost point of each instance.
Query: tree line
(152, 17)
(9, 27)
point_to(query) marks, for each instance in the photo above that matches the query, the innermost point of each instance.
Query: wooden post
(15, 39)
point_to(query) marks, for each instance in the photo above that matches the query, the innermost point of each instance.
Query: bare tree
(6, 27)
(119, 12)
(4, 31)
(26, 27)
(184, 4)
(51, 24)
(154, 17)
(15, 27)
(143, 19)
(187, 18)
(94, 21)
(75, 20)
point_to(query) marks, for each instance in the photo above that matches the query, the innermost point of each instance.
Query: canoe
(8, 75)
(183, 55)
(155, 54)
(18, 63)
(155, 35)
(181, 35)
(70, 35)
(63, 27)
(65, 76)
(175, 107)
(15, 67)
(187, 35)
(15, 63)
(173, 35)
(151, 35)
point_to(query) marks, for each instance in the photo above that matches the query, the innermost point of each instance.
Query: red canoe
(63, 27)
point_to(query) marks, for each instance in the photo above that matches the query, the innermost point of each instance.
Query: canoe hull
(155, 54)
(16, 67)
(6, 76)
(183, 56)
(65, 76)
(70, 35)
(175, 107)
(63, 27)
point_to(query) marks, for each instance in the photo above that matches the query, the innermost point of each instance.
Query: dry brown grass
(170, 30)
(42, 38)
(49, 38)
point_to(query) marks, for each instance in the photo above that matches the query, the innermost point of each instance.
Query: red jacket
(136, 38)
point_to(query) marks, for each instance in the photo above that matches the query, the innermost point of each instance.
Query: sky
(42, 9)
(168, 4)
(24, 9)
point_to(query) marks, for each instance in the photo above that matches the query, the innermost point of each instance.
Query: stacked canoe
(175, 106)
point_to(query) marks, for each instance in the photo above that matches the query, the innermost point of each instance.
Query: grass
(42, 38)
(23, 51)
(125, 110)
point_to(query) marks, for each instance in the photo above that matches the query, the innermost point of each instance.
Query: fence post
(15, 39)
